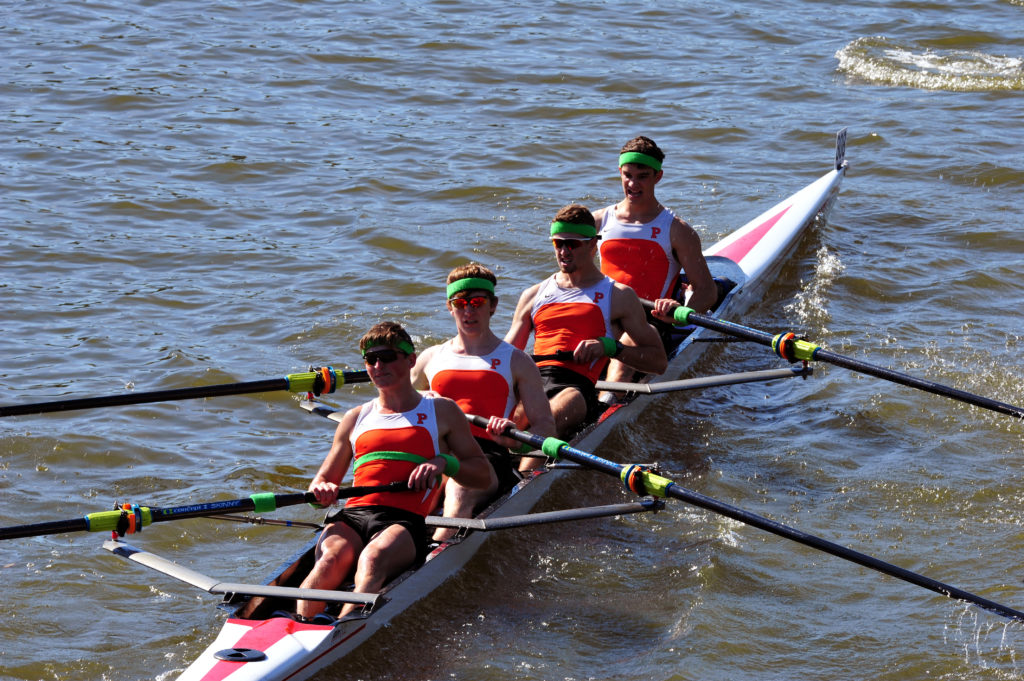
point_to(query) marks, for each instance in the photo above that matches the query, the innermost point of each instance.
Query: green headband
(637, 157)
(587, 231)
(401, 345)
(468, 284)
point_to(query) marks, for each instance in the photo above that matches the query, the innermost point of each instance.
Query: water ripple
(883, 61)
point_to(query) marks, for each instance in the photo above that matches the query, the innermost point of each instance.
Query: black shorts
(368, 521)
(556, 379)
(501, 461)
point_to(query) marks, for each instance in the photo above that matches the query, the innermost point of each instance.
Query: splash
(984, 644)
(809, 307)
(880, 61)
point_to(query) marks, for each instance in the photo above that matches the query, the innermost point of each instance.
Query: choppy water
(201, 193)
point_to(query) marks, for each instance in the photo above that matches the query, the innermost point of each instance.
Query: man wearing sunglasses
(645, 246)
(577, 317)
(400, 436)
(485, 376)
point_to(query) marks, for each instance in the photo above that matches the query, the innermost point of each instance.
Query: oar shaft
(704, 382)
(40, 529)
(103, 521)
(920, 384)
(301, 382)
(265, 502)
(675, 491)
(768, 525)
(269, 385)
(822, 355)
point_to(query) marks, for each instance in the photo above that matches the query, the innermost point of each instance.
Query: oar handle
(132, 518)
(318, 381)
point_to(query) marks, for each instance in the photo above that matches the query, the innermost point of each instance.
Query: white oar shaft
(705, 382)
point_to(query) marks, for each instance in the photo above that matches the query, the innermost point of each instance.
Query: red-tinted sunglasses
(572, 244)
(474, 302)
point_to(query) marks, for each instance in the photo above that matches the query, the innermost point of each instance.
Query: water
(204, 193)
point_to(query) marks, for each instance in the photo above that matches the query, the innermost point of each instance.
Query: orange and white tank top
(479, 384)
(562, 317)
(378, 443)
(640, 256)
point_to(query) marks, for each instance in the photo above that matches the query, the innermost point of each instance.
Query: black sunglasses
(387, 355)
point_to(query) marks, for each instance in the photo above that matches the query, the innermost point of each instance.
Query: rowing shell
(258, 642)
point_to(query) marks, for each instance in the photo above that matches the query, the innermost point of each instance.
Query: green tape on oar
(264, 502)
(681, 315)
(552, 447)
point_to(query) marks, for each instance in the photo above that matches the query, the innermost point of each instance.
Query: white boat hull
(286, 649)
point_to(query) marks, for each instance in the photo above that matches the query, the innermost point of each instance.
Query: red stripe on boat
(261, 635)
(738, 249)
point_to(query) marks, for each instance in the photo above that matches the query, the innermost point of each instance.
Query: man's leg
(336, 554)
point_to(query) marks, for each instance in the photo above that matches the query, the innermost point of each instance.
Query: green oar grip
(681, 315)
(552, 446)
(264, 502)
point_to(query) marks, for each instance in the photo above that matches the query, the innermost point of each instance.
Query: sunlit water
(199, 194)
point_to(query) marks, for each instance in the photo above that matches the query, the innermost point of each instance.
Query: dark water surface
(200, 193)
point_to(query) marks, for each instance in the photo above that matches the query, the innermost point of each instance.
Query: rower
(580, 311)
(485, 376)
(401, 435)
(645, 246)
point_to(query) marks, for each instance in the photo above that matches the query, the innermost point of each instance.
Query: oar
(317, 381)
(789, 347)
(132, 517)
(705, 382)
(643, 482)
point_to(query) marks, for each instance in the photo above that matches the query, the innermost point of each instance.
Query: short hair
(644, 145)
(577, 214)
(473, 270)
(390, 334)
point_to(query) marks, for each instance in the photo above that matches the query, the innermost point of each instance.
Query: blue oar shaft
(671, 489)
(112, 520)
